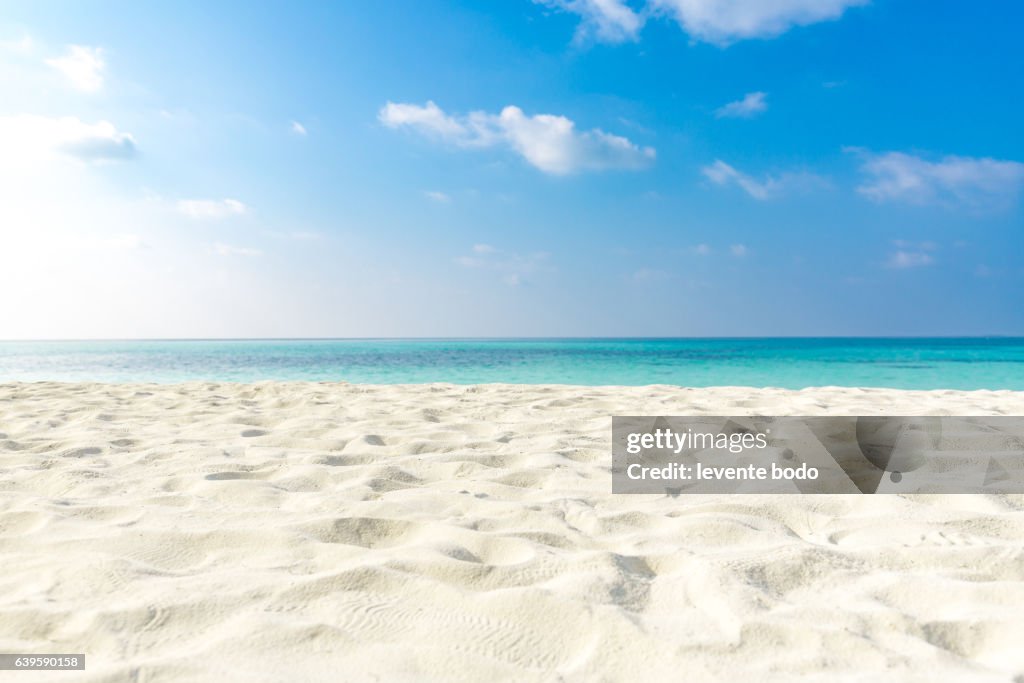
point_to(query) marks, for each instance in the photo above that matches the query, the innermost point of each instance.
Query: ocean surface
(946, 363)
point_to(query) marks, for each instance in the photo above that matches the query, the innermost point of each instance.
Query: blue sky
(572, 167)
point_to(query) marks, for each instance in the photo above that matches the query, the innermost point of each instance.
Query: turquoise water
(976, 363)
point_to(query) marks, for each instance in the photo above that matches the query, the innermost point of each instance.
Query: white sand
(322, 532)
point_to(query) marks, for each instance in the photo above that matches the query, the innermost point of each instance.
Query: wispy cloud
(951, 180)
(82, 66)
(548, 142)
(738, 250)
(712, 21)
(435, 196)
(701, 249)
(910, 254)
(721, 173)
(610, 21)
(771, 186)
(514, 269)
(28, 137)
(750, 106)
(649, 275)
(298, 128)
(909, 259)
(211, 209)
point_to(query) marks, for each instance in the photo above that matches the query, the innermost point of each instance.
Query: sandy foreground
(329, 532)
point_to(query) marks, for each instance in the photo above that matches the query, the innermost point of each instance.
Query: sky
(433, 168)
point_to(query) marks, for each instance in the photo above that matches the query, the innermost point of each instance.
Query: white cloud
(551, 144)
(721, 22)
(548, 142)
(483, 249)
(739, 250)
(26, 138)
(82, 65)
(701, 249)
(429, 119)
(211, 209)
(967, 181)
(98, 142)
(751, 105)
(435, 196)
(229, 250)
(611, 21)
(909, 259)
(298, 128)
(770, 187)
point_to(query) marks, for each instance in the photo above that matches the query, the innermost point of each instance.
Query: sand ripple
(323, 532)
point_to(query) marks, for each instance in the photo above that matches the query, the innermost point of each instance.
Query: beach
(308, 531)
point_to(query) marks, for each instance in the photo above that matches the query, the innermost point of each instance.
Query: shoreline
(518, 385)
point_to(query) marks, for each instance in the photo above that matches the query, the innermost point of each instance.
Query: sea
(794, 363)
